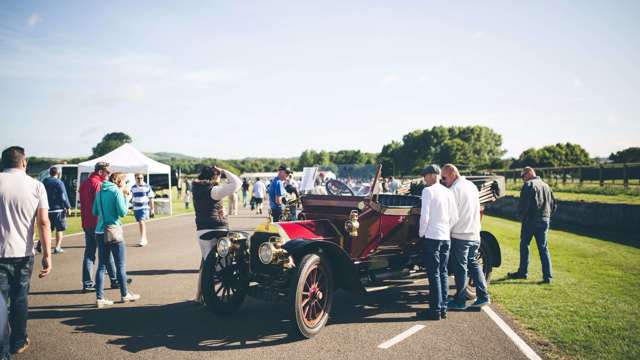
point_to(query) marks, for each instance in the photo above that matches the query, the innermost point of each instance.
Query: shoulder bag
(112, 233)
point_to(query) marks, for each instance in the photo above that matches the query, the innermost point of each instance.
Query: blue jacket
(56, 193)
(109, 206)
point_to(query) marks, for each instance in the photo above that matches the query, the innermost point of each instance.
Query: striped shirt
(141, 195)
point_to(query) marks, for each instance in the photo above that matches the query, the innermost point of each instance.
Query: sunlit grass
(590, 310)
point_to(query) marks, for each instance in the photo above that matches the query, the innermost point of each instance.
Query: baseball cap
(285, 168)
(431, 169)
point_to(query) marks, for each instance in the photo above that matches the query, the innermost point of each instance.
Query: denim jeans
(293, 213)
(539, 230)
(15, 279)
(436, 256)
(466, 264)
(5, 348)
(117, 249)
(245, 198)
(276, 213)
(90, 259)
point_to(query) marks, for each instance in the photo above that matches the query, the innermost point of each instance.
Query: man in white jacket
(437, 215)
(465, 239)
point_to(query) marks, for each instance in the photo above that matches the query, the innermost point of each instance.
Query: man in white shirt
(23, 202)
(259, 191)
(437, 216)
(465, 239)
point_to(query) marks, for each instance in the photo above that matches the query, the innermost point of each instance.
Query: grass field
(589, 311)
(589, 192)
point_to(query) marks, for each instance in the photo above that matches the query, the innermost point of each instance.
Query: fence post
(625, 176)
(580, 175)
(600, 175)
(564, 176)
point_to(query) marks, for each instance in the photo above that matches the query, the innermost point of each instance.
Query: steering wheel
(338, 188)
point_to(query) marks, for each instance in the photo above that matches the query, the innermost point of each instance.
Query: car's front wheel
(224, 283)
(311, 295)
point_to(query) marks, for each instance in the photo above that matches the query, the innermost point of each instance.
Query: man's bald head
(528, 173)
(450, 174)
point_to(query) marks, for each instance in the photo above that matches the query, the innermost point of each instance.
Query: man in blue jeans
(465, 239)
(277, 193)
(536, 206)
(22, 200)
(437, 215)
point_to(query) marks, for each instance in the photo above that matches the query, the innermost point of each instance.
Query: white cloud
(206, 76)
(390, 78)
(577, 83)
(478, 35)
(34, 20)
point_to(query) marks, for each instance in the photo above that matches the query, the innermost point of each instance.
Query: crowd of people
(449, 223)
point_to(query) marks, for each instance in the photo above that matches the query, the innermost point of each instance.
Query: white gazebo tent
(128, 159)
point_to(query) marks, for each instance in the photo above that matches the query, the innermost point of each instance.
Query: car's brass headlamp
(272, 252)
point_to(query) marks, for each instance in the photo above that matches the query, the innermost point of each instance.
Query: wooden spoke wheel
(224, 283)
(311, 295)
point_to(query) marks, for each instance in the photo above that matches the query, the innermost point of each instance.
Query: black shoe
(516, 275)
(443, 314)
(546, 281)
(90, 288)
(428, 315)
(116, 285)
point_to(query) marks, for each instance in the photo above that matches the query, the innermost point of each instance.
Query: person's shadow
(187, 326)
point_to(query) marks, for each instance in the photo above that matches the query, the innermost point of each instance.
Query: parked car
(342, 241)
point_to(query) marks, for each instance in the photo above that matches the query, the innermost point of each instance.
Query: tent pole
(77, 190)
(170, 196)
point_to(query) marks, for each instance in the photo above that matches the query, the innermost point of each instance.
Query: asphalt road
(166, 324)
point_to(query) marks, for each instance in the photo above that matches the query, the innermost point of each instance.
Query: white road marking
(398, 338)
(526, 349)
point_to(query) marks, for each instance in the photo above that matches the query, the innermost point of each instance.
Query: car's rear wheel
(224, 283)
(311, 295)
(485, 259)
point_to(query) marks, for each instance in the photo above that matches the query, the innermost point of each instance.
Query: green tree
(556, 155)
(468, 146)
(110, 142)
(628, 155)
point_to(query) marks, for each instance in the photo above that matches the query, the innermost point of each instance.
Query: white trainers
(130, 297)
(143, 242)
(100, 303)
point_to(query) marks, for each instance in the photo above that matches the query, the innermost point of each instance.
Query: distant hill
(166, 156)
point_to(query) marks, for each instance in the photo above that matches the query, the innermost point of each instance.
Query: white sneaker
(100, 303)
(143, 242)
(130, 297)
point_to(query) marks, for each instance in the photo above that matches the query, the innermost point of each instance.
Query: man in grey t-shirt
(23, 201)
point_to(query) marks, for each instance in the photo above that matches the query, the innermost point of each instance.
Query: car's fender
(487, 237)
(343, 267)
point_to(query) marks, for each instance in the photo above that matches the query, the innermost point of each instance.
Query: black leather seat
(399, 201)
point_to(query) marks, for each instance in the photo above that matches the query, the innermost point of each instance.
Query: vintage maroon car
(342, 241)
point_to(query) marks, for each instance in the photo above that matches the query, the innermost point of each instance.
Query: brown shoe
(24, 347)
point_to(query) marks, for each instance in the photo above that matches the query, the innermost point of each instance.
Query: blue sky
(272, 78)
